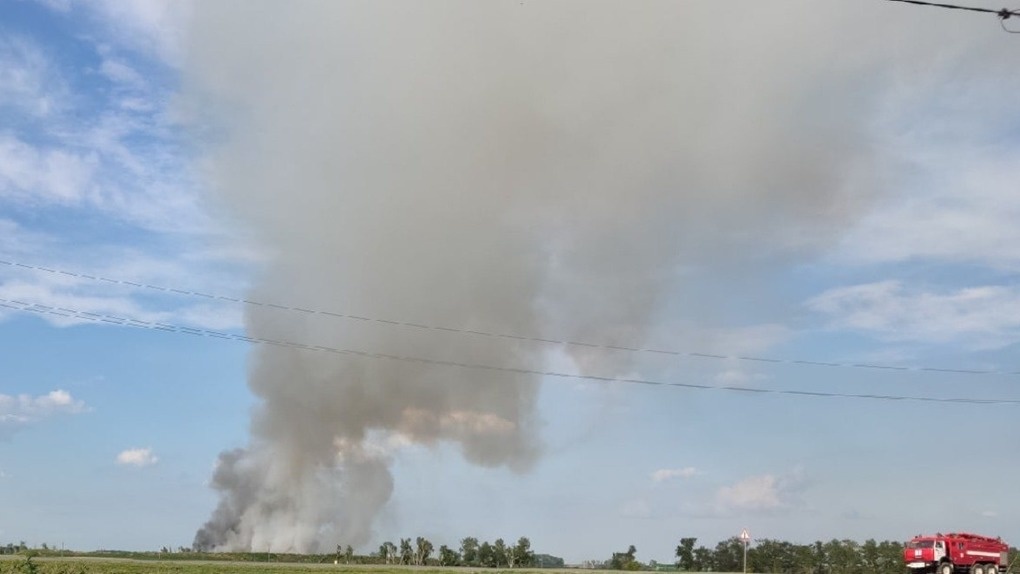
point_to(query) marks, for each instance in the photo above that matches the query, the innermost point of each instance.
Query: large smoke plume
(541, 168)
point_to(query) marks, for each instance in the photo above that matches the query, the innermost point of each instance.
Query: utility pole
(745, 537)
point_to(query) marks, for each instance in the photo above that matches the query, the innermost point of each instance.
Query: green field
(89, 565)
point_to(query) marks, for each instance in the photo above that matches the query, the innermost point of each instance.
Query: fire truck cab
(955, 553)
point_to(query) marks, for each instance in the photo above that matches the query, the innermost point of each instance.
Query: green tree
(388, 552)
(870, 556)
(767, 556)
(703, 560)
(890, 557)
(547, 561)
(499, 552)
(685, 554)
(448, 557)
(521, 555)
(469, 551)
(625, 560)
(422, 551)
(842, 557)
(486, 556)
(406, 552)
(728, 555)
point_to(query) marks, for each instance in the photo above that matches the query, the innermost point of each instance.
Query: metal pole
(745, 557)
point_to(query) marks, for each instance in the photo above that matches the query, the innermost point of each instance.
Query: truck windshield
(920, 544)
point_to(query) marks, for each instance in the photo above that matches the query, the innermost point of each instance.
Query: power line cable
(1003, 14)
(160, 326)
(509, 336)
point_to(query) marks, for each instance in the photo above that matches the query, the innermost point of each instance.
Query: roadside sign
(745, 537)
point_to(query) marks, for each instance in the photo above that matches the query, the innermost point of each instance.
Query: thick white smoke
(541, 168)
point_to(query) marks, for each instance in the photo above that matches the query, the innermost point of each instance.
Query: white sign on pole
(745, 537)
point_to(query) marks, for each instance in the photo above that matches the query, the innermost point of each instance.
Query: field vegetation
(764, 556)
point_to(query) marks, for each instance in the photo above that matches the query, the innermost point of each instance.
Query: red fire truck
(956, 553)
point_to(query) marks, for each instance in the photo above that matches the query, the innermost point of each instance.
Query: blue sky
(798, 184)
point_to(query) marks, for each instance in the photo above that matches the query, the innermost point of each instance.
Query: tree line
(765, 556)
(779, 557)
(471, 553)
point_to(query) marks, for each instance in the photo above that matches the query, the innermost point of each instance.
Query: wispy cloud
(83, 295)
(154, 27)
(44, 175)
(28, 81)
(985, 317)
(113, 150)
(760, 493)
(949, 184)
(19, 411)
(137, 457)
(664, 474)
(114, 157)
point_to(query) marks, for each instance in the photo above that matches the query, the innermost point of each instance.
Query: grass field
(91, 565)
(87, 565)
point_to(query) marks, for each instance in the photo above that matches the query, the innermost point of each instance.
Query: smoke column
(540, 168)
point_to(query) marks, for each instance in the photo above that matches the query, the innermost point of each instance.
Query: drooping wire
(160, 326)
(507, 336)
(1003, 14)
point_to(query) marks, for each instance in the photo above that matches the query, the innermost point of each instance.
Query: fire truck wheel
(977, 569)
(944, 568)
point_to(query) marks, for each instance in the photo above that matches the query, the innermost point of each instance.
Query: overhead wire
(507, 336)
(168, 327)
(1003, 13)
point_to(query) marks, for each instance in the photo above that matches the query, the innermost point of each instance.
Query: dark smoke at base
(548, 169)
(249, 507)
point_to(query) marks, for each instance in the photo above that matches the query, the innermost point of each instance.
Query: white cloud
(760, 493)
(752, 493)
(973, 222)
(82, 295)
(949, 172)
(28, 81)
(979, 317)
(121, 73)
(137, 457)
(155, 27)
(123, 158)
(19, 411)
(664, 474)
(48, 175)
(989, 513)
